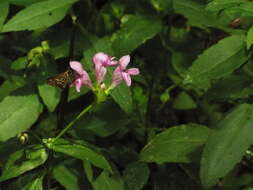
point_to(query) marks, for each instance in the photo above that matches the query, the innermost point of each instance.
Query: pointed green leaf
(18, 112)
(162, 5)
(24, 2)
(38, 15)
(105, 181)
(135, 30)
(81, 150)
(176, 144)
(50, 96)
(250, 38)
(227, 144)
(184, 102)
(4, 10)
(217, 5)
(66, 177)
(136, 176)
(23, 160)
(122, 95)
(35, 184)
(216, 63)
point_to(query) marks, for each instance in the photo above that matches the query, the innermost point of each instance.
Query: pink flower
(81, 76)
(101, 61)
(121, 73)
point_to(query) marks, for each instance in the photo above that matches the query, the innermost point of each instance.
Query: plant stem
(74, 120)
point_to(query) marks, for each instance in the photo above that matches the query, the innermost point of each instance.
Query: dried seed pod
(236, 23)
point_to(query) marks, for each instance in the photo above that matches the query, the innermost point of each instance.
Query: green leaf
(184, 102)
(122, 95)
(35, 184)
(216, 63)
(250, 38)
(244, 10)
(38, 15)
(23, 160)
(24, 2)
(227, 145)
(4, 10)
(50, 96)
(19, 63)
(18, 112)
(7, 87)
(231, 88)
(81, 150)
(176, 144)
(217, 5)
(100, 122)
(105, 181)
(66, 177)
(136, 176)
(197, 16)
(135, 30)
(162, 5)
(195, 13)
(88, 170)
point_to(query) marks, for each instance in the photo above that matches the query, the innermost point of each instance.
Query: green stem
(74, 120)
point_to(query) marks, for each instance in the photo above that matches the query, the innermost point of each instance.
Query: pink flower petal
(101, 75)
(78, 84)
(126, 78)
(116, 77)
(111, 62)
(100, 58)
(76, 66)
(85, 79)
(124, 61)
(133, 71)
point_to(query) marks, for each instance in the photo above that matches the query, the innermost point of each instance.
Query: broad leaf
(105, 181)
(38, 15)
(23, 160)
(24, 2)
(162, 5)
(35, 184)
(176, 144)
(244, 10)
(231, 88)
(227, 145)
(9, 86)
(136, 176)
(135, 30)
(100, 122)
(66, 177)
(250, 38)
(18, 112)
(216, 63)
(195, 13)
(217, 5)
(81, 150)
(122, 95)
(183, 101)
(49, 94)
(4, 10)
(197, 16)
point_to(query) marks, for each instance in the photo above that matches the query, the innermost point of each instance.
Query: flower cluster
(101, 62)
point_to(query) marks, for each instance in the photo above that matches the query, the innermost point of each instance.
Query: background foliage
(185, 123)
